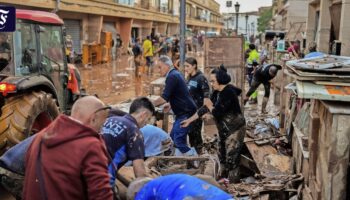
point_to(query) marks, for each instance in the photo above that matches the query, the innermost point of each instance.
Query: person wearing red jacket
(68, 159)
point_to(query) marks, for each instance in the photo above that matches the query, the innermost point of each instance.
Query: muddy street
(115, 82)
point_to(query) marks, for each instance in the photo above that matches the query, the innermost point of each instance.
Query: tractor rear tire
(24, 115)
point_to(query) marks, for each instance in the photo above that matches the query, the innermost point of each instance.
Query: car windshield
(6, 52)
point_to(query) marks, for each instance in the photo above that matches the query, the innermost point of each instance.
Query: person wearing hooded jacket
(199, 89)
(225, 108)
(68, 159)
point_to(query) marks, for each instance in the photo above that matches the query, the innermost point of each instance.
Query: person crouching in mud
(225, 108)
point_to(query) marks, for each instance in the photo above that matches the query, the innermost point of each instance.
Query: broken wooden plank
(313, 137)
(300, 155)
(264, 138)
(263, 197)
(332, 157)
(306, 193)
(268, 161)
(249, 164)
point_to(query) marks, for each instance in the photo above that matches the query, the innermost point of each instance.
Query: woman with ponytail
(199, 90)
(225, 108)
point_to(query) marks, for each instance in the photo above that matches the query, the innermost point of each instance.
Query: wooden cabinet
(92, 54)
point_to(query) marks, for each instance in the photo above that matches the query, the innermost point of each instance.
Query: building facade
(247, 23)
(290, 16)
(86, 19)
(328, 25)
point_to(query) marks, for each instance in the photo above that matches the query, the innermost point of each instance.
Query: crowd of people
(79, 156)
(145, 52)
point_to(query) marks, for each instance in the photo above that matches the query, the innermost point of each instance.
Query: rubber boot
(192, 152)
(234, 175)
(264, 104)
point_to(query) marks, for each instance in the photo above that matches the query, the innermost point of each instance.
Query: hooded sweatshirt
(72, 163)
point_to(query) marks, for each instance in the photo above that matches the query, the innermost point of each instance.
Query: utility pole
(182, 32)
(246, 23)
(237, 5)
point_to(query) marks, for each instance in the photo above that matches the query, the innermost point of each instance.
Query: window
(164, 6)
(5, 52)
(52, 56)
(25, 50)
(188, 9)
(51, 48)
(228, 4)
(126, 2)
(317, 20)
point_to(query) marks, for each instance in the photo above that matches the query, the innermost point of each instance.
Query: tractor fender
(23, 84)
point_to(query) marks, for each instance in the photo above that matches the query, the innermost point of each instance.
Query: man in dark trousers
(263, 75)
(181, 102)
(137, 51)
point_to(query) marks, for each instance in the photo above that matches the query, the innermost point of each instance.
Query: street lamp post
(246, 23)
(237, 10)
(227, 19)
(182, 31)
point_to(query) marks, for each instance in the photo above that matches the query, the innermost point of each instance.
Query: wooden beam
(268, 161)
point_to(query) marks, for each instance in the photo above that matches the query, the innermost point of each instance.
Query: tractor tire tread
(19, 113)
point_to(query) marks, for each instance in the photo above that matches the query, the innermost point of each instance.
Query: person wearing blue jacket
(174, 187)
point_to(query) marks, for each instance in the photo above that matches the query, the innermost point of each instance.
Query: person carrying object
(224, 107)
(177, 97)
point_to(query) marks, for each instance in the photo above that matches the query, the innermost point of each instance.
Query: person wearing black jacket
(225, 108)
(199, 89)
(263, 75)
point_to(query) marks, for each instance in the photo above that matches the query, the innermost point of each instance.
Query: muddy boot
(193, 153)
(148, 70)
(234, 175)
(253, 101)
(264, 104)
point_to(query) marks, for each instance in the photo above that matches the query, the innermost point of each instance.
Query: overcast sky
(246, 5)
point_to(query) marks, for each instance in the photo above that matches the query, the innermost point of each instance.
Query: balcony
(209, 4)
(143, 4)
(126, 2)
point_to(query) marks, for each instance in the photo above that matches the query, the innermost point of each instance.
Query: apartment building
(247, 23)
(85, 19)
(328, 25)
(290, 16)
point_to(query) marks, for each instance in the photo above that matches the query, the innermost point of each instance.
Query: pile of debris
(326, 77)
(268, 158)
(264, 130)
(255, 186)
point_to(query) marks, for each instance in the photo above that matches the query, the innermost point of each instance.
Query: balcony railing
(143, 4)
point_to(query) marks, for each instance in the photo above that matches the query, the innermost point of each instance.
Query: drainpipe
(57, 6)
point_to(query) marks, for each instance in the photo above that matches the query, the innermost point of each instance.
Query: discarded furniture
(329, 150)
(92, 54)
(319, 112)
(158, 83)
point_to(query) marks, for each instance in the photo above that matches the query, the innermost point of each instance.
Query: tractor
(36, 82)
